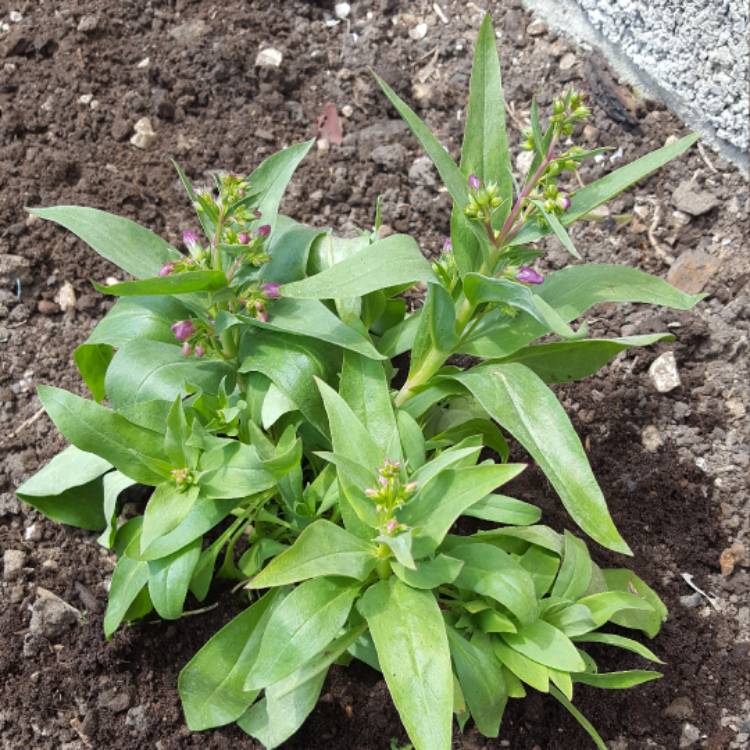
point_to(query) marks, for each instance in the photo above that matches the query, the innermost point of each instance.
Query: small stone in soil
(114, 700)
(664, 374)
(422, 172)
(33, 533)
(9, 506)
(692, 200)
(47, 307)
(144, 136)
(13, 562)
(690, 601)
(136, 719)
(536, 27)
(268, 58)
(391, 156)
(568, 61)
(680, 708)
(14, 267)
(692, 270)
(88, 23)
(651, 438)
(50, 615)
(66, 297)
(690, 735)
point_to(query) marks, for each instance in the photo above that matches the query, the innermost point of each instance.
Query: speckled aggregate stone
(696, 49)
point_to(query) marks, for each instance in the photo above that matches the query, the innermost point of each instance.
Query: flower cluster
(193, 337)
(183, 478)
(389, 495)
(445, 267)
(483, 199)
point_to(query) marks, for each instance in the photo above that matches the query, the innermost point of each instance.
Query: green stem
(436, 358)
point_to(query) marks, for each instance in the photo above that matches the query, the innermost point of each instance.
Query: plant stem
(435, 359)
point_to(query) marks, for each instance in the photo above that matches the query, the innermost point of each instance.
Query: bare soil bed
(75, 77)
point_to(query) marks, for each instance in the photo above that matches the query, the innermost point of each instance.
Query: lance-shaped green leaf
(480, 675)
(490, 571)
(128, 245)
(558, 229)
(586, 199)
(542, 566)
(527, 670)
(412, 648)
(479, 289)
(322, 549)
(310, 317)
(94, 429)
(545, 644)
(92, 361)
(389, 262)
(349, 436)
(503, 509)
(113, 483)
(573, 620)
(605, 606)
(303, 624)
(647, 620)
(275, 718)
(619, 641)
(429, 574)
(576, 569)
(144, 370)
(519, 400)
(565, 361)
(169, 579)
(289, 248)
(234, 470)
(485, 148)
(177, 283)
(437, 506)
(291, 362)
(211, 683)
(128, 580)
(364, 387)
(437, 327)
(271, 177)
(167, 507)
(616, 680)
(69, 489)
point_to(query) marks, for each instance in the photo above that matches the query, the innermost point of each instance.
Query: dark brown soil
(679, 506)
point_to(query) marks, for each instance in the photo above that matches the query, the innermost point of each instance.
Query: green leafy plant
(251, 382)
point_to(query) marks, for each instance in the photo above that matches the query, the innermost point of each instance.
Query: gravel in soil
(77, 77)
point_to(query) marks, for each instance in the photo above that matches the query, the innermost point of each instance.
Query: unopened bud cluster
(389, 494)
(445, 267)
(483, 199)
(194, 336)
(183, 478)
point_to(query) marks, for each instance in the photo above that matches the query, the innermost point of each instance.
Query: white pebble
(347, 110)
(15, 16)
(664, 374)
(268, 58)
(85, 98)
(144, 63)
(418, 32)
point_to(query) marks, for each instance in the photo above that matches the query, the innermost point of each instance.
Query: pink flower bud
(243, 238)
(529, 276)
(410, 487)
(447, 245)
(391, 525)
(383, 481)
(370, 492)
(473, 182)
(166, 269)
(264, 230)
(563, 201)
(190, 239)
(257, 213)
(186, 349)
(199, 351)
(261, 314)
(183, 329)
(271, 290)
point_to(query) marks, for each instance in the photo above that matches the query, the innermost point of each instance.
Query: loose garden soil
(76, 76)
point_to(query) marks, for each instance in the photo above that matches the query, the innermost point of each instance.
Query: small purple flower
(264, 230)
(243, 238)
(391, 525)
(473, 182)
(383, 481)
(563, 201)
(166, 269)
(190, 239)
(447, 245)
(183, 329)
(199, 351)
(529, 276)
(271, 290)
(186, 349)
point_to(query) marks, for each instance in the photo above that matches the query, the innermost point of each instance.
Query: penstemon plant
(250, 382)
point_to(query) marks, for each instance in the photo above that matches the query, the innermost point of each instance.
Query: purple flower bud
(166, 269)
(257, 213)
(199, 351)
(383, 481)
(529, 276)
(563, 201)
(447, 245)
(271, 290)
(243, 238)
(183, 329)
(391, 525)
(473, 182)
(261, 314)
(190, 239)
(186, 349)
(264, 230)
